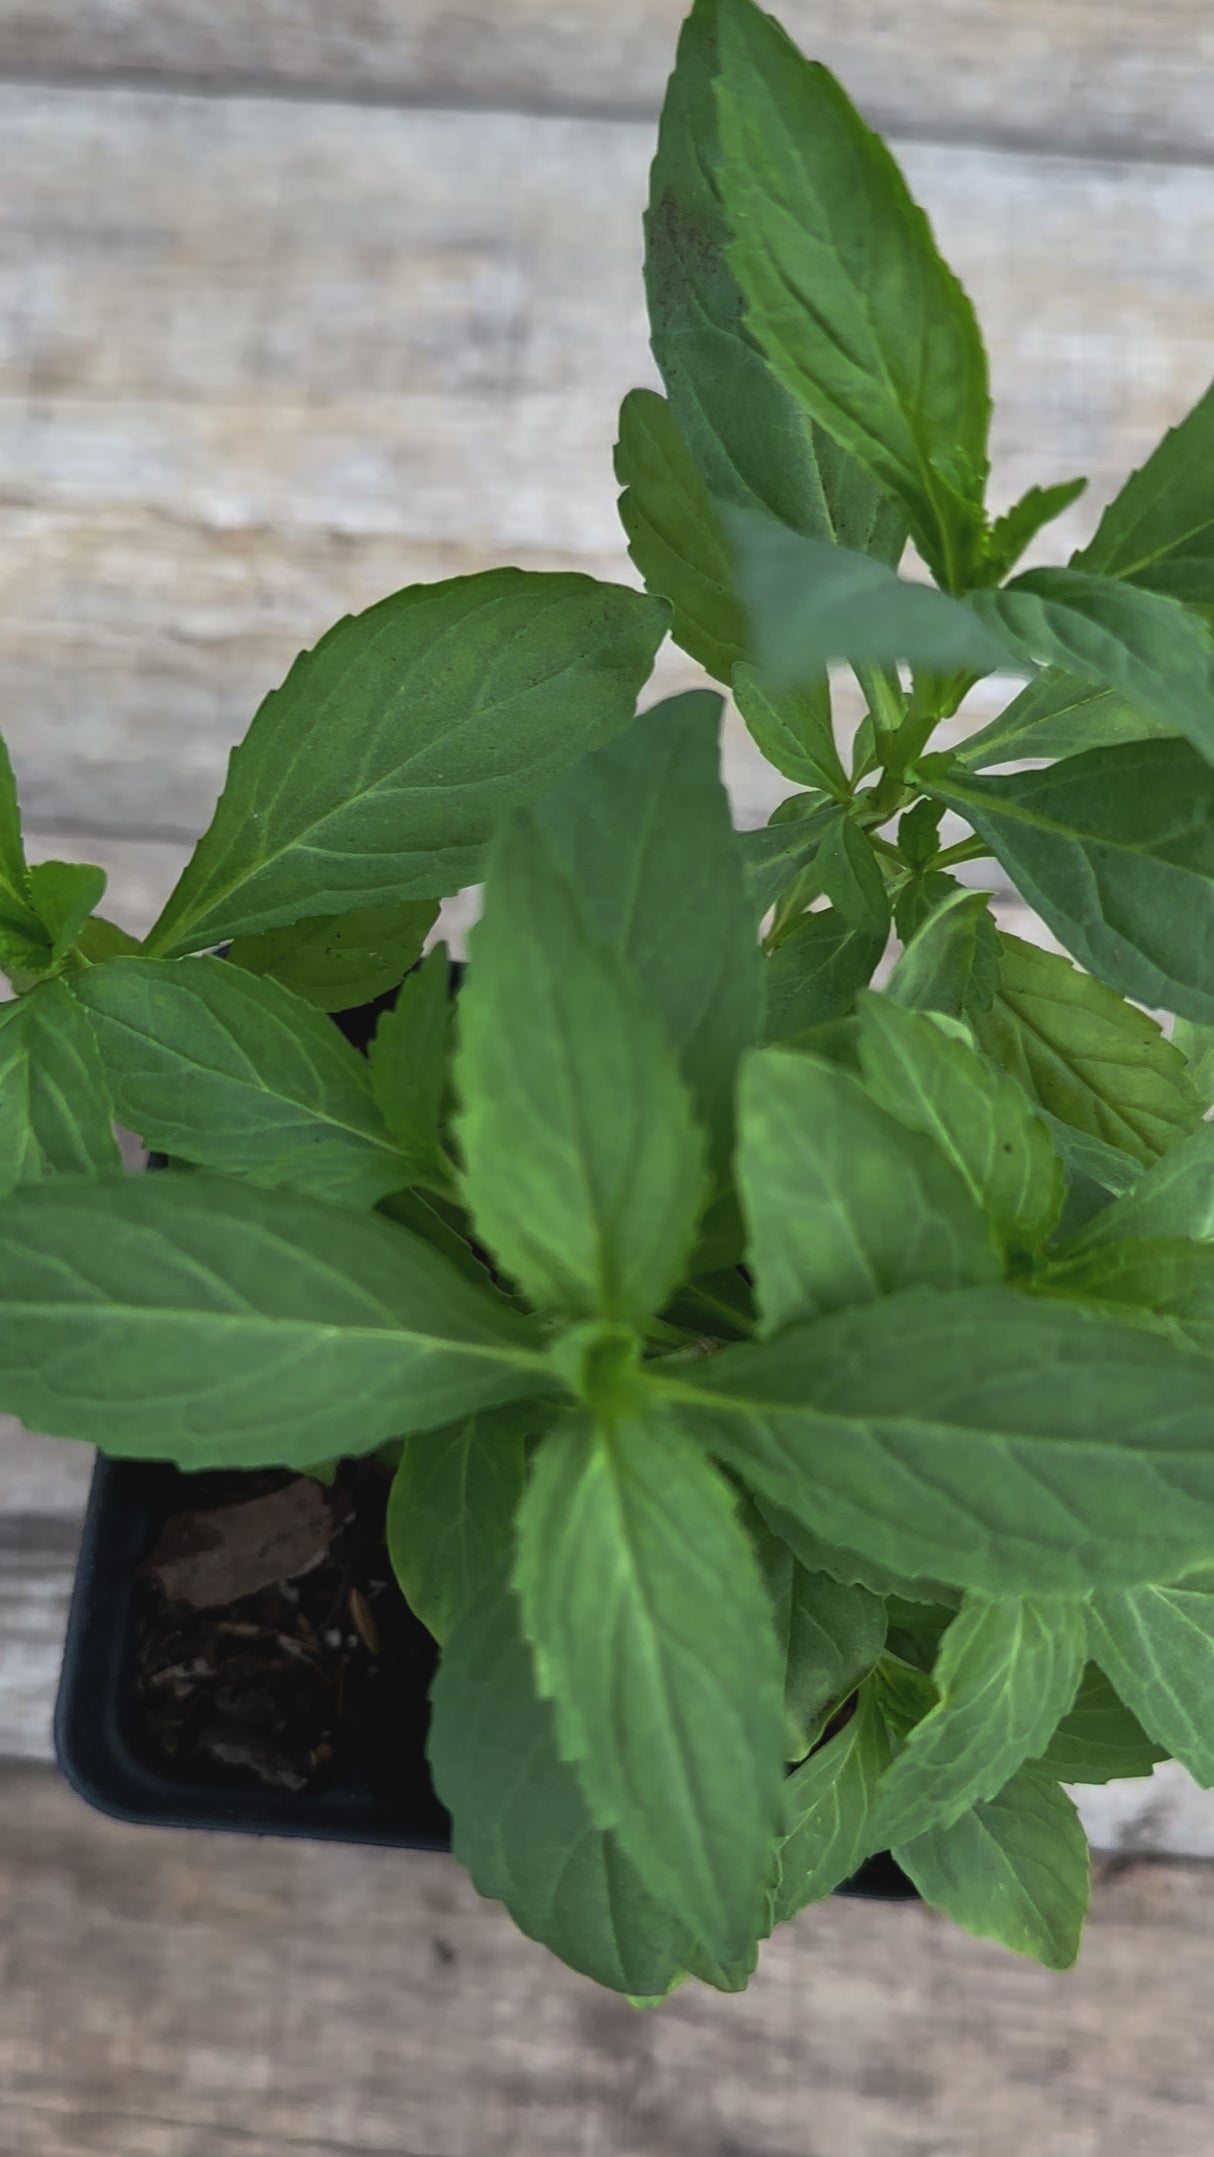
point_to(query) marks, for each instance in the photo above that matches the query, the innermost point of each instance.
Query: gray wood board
(261, 362)
(1066, 74)
(173, 1995)
(42, 1490)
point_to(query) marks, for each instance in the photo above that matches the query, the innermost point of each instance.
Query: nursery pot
(108, 1749)
(123, 1660)
(106, 1736)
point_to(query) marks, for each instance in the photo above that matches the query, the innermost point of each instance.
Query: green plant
(804, 1393)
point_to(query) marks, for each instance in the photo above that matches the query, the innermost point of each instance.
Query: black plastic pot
(101, 1739)
(104, 1750)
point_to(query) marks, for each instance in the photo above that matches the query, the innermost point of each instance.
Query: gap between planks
(1121, 79)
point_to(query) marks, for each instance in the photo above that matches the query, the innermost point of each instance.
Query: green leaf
(17, 914)
(1148, 647)
(654, 1639)
(1055, 715)
(809, 603)
(217, 1325)
(915, 1631)
(1115, 849)
(584, 1168)
(1171, 1283)
(748, 437)
(1174, 1199)
(922, 894)
(815, 973)
(642, 830)
(1159, 531)
(905, 1693)
(1083, 1156)
(1011, 533)
(520, 1825)
(1084, 1054)
(24, 957)
(1015, 1869)
(845, 291)
(56, 1118)
(1010, 1444)
(1099, 1741)
(831, 1634)
(792, 729)
(843, 1204)
(1157, 1646)
(851, 878)
(674, 534)
(340, 961)
(64, 894)
(919, 835)
(440, 1224)
(774, 855)
(392, 751)
(100, 940)
(950, 962)
(849, 1567)
(1085, 1197)
(828, 1808)
(211, 1064)
(1196, 1045)
(409, 1061)
(934, 1081)
(451, 1511)
(1007, 1671)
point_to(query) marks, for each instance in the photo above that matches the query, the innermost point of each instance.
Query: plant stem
(886, 698)
(965, 850)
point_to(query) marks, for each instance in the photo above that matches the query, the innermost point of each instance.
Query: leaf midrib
(882, 1425)
(114, 1311)
(1000, 805)
(322, 1116)
(168, 932)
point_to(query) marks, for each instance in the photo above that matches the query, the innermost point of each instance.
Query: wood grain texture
(37, 1561)
(1067, 74)
(43, 1484)
(262, 362)
(201, 1996)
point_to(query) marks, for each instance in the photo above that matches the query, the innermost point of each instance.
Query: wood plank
(43, 1476)
(37, 1563)
(43, 1485)
(204, 1996)
(261, 362)
(1062, 74)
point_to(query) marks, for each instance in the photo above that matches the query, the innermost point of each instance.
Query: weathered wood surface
(173, 1995)
(261, 362)
(37, 1559)
(1076, 75)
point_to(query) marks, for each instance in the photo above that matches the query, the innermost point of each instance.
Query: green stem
(886, 698)
(666, 1336)
(885, 847)
(884, 800)
(965, 850)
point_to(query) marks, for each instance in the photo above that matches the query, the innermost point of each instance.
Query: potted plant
(792, 1401)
